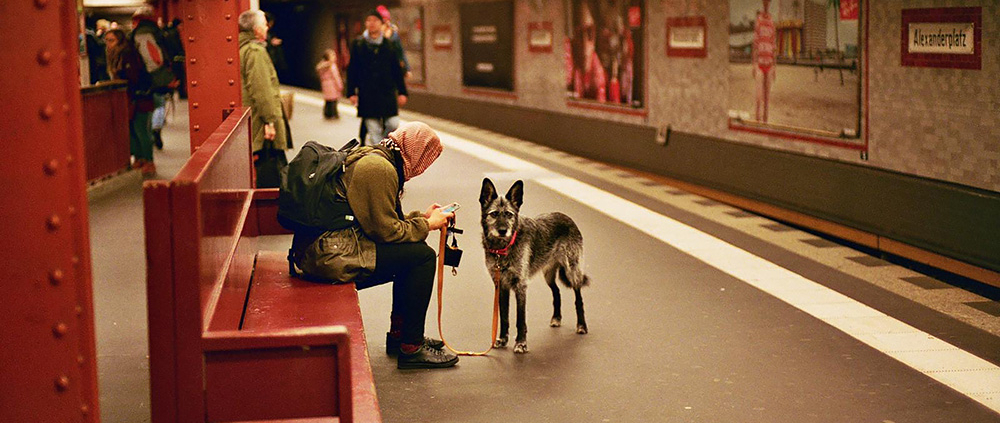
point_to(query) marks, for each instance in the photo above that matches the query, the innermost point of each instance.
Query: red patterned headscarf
(419, 145)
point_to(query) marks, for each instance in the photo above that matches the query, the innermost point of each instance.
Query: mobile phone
(450, 208)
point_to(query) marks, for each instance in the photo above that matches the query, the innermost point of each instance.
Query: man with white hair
(262, 96)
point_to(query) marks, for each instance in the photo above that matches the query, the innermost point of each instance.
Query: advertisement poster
(604, 52)
(488, 45)
(410, 22)
(795, 64)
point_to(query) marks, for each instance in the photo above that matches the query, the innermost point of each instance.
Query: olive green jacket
(260, 91)
(371, 186)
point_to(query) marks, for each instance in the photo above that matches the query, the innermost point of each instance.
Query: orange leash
(496, 301)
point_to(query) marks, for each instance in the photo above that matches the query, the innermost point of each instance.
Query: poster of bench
(605, 53)
(794, 66)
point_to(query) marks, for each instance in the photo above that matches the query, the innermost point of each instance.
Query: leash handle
(440, 295)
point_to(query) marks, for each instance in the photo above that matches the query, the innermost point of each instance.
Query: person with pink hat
(375, 80)
(386, 245)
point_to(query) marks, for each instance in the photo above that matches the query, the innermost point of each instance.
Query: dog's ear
(488, 193)
(516, 194)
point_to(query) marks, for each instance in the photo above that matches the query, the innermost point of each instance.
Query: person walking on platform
(262, 96)
(375, 81)
(332, 84)
(391, 246)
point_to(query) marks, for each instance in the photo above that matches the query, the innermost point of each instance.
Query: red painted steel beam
(47, 352)
(211, 44)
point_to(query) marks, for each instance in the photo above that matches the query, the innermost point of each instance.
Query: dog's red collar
(504, 250)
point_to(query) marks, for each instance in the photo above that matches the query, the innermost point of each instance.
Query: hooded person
(387, 245)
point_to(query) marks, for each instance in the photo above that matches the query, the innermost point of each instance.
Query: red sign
(849, 9)
(634, 17)
(763, 42)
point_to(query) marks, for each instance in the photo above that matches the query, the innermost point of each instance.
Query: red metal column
(211, 43)
(47, 352)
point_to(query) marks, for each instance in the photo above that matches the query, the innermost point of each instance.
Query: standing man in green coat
(262, 96)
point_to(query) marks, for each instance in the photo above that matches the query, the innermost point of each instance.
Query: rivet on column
(194, 83)
(191, 39)
(84, 409)
(56, 277)
(197, 127)
(194, 105)
(46, 112)
(231, 82)
(51, 167)
(232, 104)
(66, 108)
(41, 3)
(71, 211)
(193, 60)
(190, 17)
(53, 223)
(62, 383)
(229, 60)
(75, 260)
(229, 16)
(44, 57)
(60, 330)
(229, 38)
(79, 310)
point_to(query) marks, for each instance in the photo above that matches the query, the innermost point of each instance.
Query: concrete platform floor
(676, 333)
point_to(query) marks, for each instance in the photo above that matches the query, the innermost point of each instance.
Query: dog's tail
(578, 280)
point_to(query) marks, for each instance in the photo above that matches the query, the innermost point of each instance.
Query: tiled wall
(937, 123)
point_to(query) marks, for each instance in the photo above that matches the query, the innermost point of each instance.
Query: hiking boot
(426, 358)
(392, 344)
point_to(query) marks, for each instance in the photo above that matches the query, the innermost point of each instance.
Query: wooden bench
(232, 337)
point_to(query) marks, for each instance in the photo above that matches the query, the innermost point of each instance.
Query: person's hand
(438, 219)
(408, 75)
(275, 41)
(431, 209)
(354, 100)
(269, 132)
(401, 100)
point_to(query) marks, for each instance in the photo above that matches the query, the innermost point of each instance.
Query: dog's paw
(500, 343)
(581, 329)
(555, 322)
(520, 347)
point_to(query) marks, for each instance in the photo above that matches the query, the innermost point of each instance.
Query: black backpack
(307, 203)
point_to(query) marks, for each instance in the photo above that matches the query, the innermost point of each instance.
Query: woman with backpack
(332, 84)
(386, 245)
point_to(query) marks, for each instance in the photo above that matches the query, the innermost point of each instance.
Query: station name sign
(944, 37)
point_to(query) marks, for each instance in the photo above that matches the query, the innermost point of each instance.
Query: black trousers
(411, 268)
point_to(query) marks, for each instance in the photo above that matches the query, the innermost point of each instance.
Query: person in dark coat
(375, 80)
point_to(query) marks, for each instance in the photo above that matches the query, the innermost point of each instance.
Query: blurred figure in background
(375, 81)
(329, 78)
(172, 41)
(275, 49)
(392, 33)
(261, 94)
(96, 59)
(114, 47)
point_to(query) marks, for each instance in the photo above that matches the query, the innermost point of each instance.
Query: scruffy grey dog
(517, 247)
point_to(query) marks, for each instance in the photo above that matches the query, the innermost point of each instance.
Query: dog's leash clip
(453, 254)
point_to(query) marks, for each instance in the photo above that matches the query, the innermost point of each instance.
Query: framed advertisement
(795, 69)
(686, 37)
(947, 37)
(540, 37)
(488, 45)
(441, 37)
(605, 64)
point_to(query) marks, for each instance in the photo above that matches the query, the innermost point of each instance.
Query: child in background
(329, 77)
